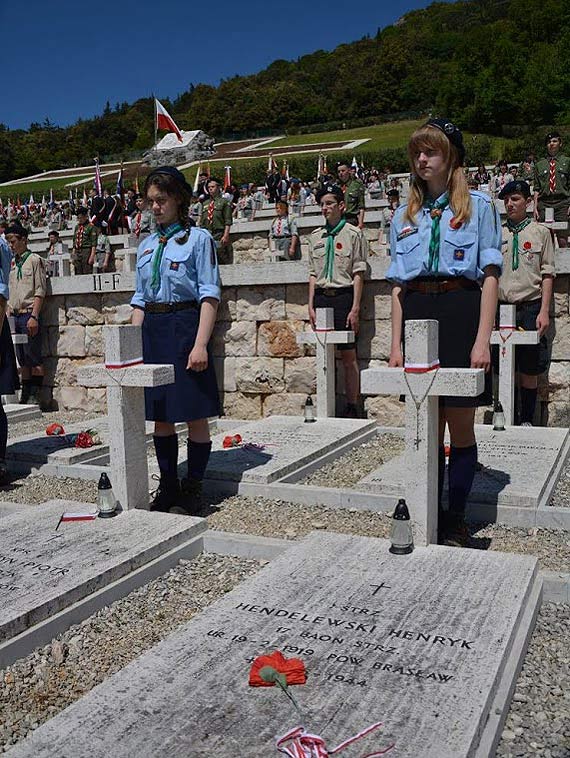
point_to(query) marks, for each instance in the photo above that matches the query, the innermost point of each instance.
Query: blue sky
(63, 60)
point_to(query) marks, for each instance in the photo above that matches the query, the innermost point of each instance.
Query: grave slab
(288, 441)
(520, 467)
(429, 644)
(17, 413)
(43, 570)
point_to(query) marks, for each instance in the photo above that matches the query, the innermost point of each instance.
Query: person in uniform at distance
(552, 185)
(176, 300)
(283, 233)
(104, 256)
(337, 263)
(445, 247)
(143, 222)
(28, 284)
(527, 281)
(217, 219)
(9, 381)
(84, 243)
(353, 196)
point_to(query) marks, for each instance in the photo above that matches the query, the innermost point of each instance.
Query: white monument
(423, 382)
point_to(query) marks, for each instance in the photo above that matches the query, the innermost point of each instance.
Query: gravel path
(561, 495)
(37, 687)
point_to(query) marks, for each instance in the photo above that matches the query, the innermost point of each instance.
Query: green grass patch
(39, 187)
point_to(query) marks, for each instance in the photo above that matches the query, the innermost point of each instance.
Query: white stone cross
(325, 338)
(507, 337)
(422, 381)
(125, 376)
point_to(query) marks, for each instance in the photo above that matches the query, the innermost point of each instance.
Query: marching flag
(137, 184)
(84, 198)
(51, 202)
(97, 184)
(31, 202)
(44, 204)
(227, 177)
(120, 186)
(285, 170)
(320, 166)
(354, 163)
(165, 121)
(197, 178)
(325, 167)
(271, 165)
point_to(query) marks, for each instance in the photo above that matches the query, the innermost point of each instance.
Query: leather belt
(170, 307)
(332, 291)
(437, 286)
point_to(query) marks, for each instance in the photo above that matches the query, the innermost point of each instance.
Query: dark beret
(516, 186)
(174, 173)
(16, 229)
(552, 135)
(330, 189)
(81, 211)
(452, 133)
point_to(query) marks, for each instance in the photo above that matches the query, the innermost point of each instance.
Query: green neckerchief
(164, 234)
(436, 210)
(330, 234)
(20, 262)
(515, 229)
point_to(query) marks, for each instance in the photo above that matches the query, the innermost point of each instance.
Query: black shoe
(4, 475)
(350, 411)
(190, 500)
(25, 394)
(34, 398)
(453, 530)
(165, 496)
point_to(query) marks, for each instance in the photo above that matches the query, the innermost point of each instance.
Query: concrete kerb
(555, 476)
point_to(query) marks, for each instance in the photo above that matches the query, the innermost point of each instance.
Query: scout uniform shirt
(536, 259)
(281, 231)
(353, 197)
(541, 180)
(32, 282)
(84, 237)
(350, 249)
(216, 215)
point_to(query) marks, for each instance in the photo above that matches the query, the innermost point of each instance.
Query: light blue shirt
(188, 270)
(463, 252)
(5, 264)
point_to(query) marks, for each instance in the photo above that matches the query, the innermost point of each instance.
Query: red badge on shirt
(455, 224)
(339, 245)
(527, 245)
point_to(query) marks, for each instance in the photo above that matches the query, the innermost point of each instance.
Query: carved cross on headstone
(507, 337)
(423, 382)
(125, 376)
(325, 338)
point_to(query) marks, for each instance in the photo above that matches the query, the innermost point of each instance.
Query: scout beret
(330, 189)
(16, 229)
(552, 135)
(170, 171)
(393, 193)
(82, 211)
(452, 133)
(516, 186)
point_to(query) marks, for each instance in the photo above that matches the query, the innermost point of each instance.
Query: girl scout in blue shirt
(9, 381)
(445, 248)
(176, 300)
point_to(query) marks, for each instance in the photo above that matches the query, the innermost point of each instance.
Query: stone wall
(261, 369)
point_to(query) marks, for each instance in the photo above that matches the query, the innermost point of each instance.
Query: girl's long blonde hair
(431, 138)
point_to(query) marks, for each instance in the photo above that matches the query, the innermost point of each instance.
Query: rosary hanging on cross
(418, 404)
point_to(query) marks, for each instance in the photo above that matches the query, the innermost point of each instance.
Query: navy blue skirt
(169, 338)
(9, 381)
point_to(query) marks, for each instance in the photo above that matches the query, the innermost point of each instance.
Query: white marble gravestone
(44, 570)
(423, 382)
(508, 337)
(125, 376)
(325, 338)
(429, 644)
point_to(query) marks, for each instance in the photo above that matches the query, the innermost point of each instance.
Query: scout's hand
(225, 239)
(542, 323)
(396, 358)
(312, 317)
(535, 212)
(91, 260)
(198, 359)
(353, 320)
(481, 356)
(32, 327)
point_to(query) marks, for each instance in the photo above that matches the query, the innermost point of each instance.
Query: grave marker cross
(507, 338)
(125, 376)
(325, 338)
(422, 381)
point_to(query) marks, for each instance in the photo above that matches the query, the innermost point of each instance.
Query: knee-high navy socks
(462, 464)
(167, 456)
(528, 404)
(198, 455)
(440, 474)
(3, 432)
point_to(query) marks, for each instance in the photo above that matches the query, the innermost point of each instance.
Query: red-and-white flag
(84, 198)
(227, 177)
(320, 166)
(97, 183)
(165, 121)
(285, 171)
(354, 163)
(271, 165)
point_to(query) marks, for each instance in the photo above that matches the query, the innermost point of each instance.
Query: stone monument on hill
(169, 151)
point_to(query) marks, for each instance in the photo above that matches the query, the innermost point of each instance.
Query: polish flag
(165, 121)
(227, 177)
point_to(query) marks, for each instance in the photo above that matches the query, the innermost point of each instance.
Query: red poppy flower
(54, 430)
(339, 246)
(84, 439)
(455, 224)
(232, 440)
(527, 245)
(266, 670)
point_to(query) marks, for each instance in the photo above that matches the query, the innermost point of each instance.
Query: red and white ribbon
(421, 368)
(504, 327)
(77, 516)
(324, 330)
(302, 744)
(125, 364)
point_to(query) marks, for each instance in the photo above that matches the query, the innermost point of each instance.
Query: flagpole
(155, 125)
